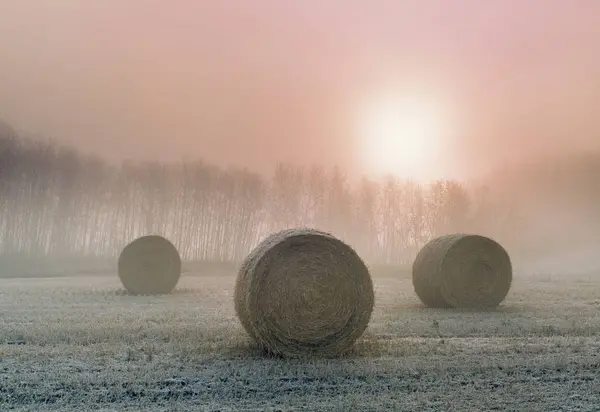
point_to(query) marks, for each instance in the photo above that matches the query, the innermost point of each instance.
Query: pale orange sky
(250, 83)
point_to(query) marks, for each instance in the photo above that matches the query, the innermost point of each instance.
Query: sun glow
(401, 137)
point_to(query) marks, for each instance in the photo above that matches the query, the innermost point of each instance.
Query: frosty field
(80, 343)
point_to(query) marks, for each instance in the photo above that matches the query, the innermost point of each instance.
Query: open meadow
(80, 343)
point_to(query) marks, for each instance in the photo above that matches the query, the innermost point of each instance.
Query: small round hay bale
(149, 265)
(462, 271)
(302, 292)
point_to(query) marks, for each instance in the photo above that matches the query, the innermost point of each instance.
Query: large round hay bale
(149, 265)
(303, 291)
(462, 271)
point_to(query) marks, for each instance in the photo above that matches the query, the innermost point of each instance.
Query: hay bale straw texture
(462, 271)
(304, 292)
(149, 265)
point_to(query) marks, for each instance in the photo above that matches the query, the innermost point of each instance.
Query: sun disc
(400, 137)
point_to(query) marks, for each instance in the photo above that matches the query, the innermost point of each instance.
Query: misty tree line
(57, 201)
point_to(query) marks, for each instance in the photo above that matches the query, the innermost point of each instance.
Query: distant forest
(57, 201)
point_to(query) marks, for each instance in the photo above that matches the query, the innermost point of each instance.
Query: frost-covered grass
(80, 343)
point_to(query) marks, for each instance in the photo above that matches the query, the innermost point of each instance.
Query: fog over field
(60, 204)
(495, 94)
(217, 124)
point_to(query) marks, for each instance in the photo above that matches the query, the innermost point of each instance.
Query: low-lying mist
(57, 203)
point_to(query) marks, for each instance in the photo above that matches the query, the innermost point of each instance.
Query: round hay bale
(149, 265)
(462, 271)
(302, 292)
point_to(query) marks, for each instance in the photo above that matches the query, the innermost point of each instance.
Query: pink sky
(250, 83)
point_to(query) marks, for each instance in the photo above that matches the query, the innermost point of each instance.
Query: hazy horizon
(254, 83)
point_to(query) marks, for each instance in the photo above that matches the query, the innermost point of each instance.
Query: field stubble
(80, 343)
